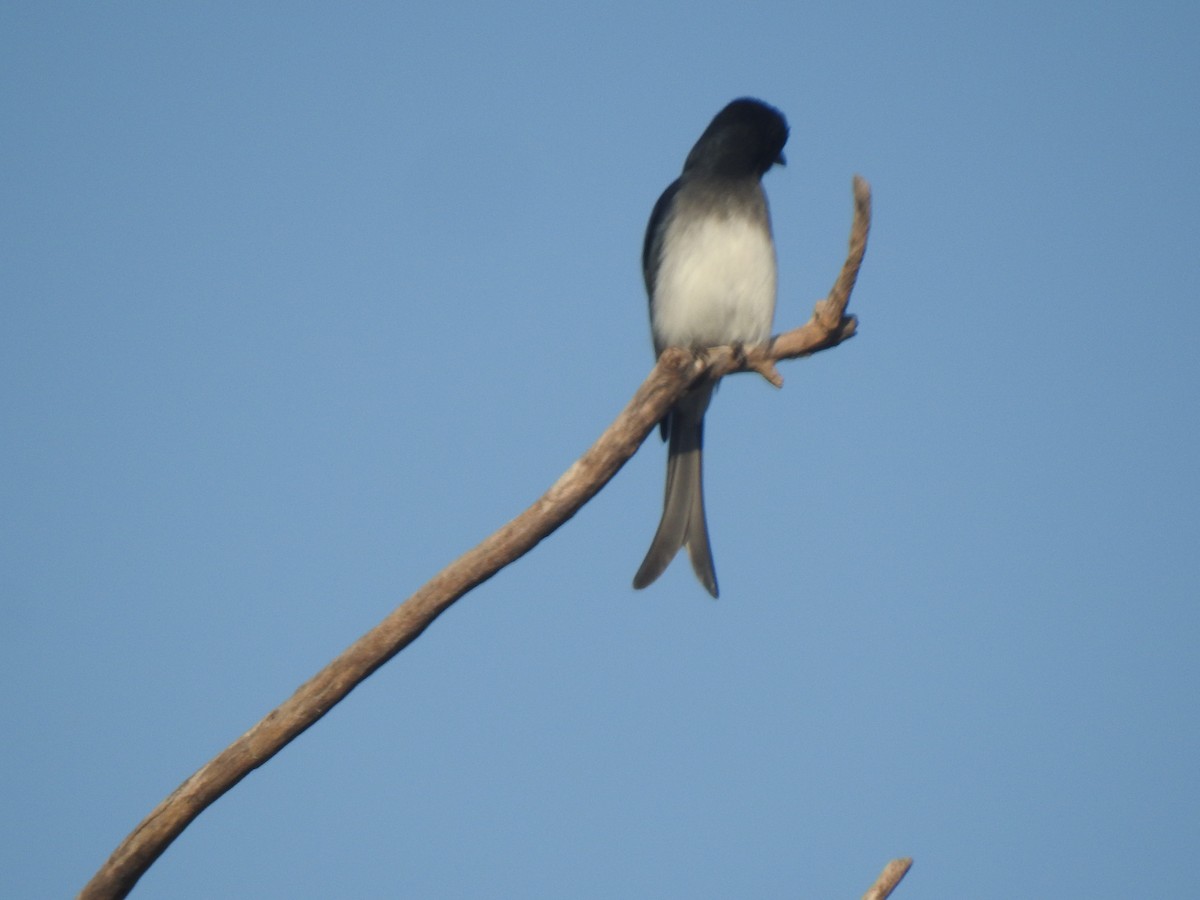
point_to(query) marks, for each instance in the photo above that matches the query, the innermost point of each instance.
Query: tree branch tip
(766, 368)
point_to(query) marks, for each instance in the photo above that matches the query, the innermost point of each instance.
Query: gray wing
(656, 228)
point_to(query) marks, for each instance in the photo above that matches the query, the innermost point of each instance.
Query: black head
(745, 138)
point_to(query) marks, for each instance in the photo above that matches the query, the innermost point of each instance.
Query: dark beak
(781, 160)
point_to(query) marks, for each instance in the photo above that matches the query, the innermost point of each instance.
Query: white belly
(716, 285)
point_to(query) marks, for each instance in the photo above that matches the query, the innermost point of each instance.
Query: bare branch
(891, 875)
(675, 372)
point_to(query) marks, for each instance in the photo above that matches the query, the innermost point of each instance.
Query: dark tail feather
(699, 550)
(683, 522)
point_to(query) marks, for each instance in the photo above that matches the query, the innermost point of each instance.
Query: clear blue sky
(298, 305)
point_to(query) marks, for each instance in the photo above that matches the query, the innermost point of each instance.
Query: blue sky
(296, 308)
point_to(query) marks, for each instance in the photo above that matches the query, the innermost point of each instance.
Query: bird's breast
(715, 284)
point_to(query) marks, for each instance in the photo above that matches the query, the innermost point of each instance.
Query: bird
(708, 261)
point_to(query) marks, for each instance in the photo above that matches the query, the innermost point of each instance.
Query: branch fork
(828, 327)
